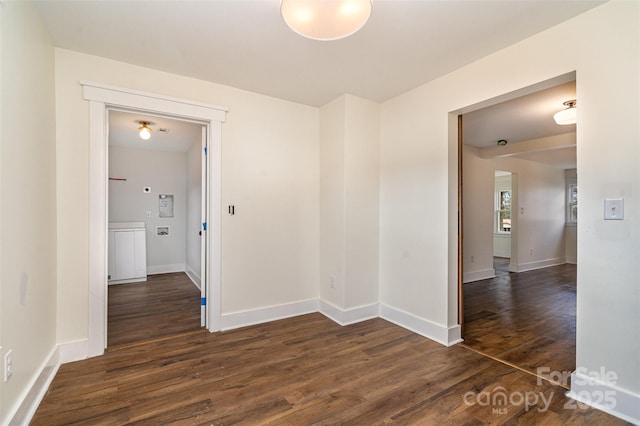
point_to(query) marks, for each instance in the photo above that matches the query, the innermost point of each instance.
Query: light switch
(614, 209)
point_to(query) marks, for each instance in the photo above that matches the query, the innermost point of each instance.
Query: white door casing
(101, 98)
(203, 228)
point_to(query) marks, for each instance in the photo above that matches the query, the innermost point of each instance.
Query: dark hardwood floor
(301, 371)
(527, 319)
(164, 305)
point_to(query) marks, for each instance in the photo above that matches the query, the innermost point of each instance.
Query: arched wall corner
(102, 97)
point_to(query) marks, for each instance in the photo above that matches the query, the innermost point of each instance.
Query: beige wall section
(362, 188)
(332, 202)
(349, 187)
(415, 143)
(28, 199)
(270, 173)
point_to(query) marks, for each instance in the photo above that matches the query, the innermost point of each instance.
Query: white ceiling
(524, 118)
(246, 44)
(178, 135)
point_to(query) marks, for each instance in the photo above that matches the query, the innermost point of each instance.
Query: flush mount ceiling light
(502, 142)
(568, 115)
(145, 130)
(325, 19)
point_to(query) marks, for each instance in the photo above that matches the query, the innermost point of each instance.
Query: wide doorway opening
(518, 253)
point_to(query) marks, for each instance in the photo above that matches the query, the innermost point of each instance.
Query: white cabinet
(127, 257)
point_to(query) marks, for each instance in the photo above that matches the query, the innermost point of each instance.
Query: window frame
(497, 229)
(571, 219)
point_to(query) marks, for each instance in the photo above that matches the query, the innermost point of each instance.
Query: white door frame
(102, 97)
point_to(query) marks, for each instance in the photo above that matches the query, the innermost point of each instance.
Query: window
(572, 202)
(503, 211)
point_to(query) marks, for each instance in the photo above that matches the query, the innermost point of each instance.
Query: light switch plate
(614, 209)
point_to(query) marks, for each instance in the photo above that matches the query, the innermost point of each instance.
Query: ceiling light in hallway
(568, 115)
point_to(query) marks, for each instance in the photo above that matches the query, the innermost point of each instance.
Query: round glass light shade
(145, 133)
(325, 19)
(566, 116)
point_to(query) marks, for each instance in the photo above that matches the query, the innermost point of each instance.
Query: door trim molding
(101, 98)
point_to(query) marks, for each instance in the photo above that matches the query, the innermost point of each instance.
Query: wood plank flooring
(164, 305)
(527, 319)
(301, 371)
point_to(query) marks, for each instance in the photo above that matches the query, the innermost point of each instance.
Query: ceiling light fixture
(568, 115)
(325, 19)
(145, 130)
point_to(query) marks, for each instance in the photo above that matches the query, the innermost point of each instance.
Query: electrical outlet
(332, 282)
(472, 259)
(8, 365)
(148, 213)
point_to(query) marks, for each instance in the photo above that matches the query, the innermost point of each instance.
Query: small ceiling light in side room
(568, 115)
(325, 19)
(502, 142)
(145, 130)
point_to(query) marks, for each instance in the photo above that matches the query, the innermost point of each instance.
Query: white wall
(539, 228)
(362, 189)
(194, 211)
(349, 188)
(478, 217)
(270, 172)
(165, 172)
(332, 200)
(418, 151)
(28, 199)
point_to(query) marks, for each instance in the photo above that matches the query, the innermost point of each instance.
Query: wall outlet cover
(8, 365)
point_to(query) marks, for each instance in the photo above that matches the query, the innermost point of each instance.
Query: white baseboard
(447, 336)
(33, 394)
(127, 281)
(78, 350)
(348, 316)
(195, 277)
(73, 351)
(605, 397)
(271, 313)
(530, 266)
(572, 260)
(165, 269)
(484, 274)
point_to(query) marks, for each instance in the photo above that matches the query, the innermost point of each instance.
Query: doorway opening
(517, 279)
(157, 189)
(101, 99)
